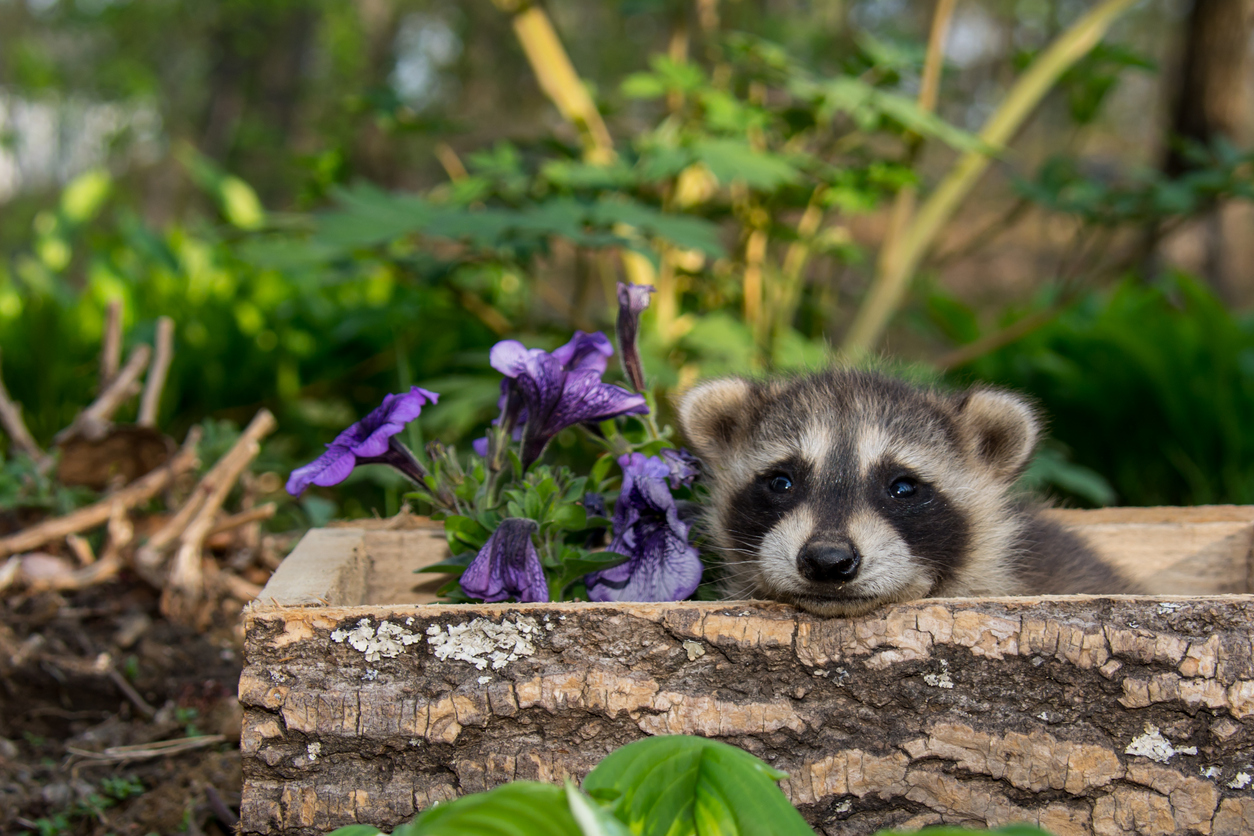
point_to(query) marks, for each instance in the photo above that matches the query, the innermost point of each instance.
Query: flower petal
(370, 435)
(331, 468)
(585, 351)
(663, 567)
(585, 398)
(509, 357)
(684, 467)
(507, 566)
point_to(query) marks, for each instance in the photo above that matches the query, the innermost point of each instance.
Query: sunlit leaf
(676, 786)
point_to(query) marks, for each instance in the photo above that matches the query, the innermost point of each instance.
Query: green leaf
(453, 566)
(85, 194)
(576, 567)
(568, 517)
(355, 830)
(522, 808)
(593, 819)
(676, 786)
(600, 469)
(736, 159)
(371, 216)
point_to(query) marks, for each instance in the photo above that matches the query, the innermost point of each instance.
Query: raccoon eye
(780, 484)
(903, 489)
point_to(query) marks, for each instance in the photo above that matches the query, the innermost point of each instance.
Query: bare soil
(84, 673)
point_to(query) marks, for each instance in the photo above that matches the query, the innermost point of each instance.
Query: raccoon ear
(1002, 429)
(710, 415)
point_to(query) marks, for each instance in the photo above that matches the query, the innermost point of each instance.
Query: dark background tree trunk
(1213, 100)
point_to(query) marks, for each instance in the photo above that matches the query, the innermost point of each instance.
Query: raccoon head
(845, 490)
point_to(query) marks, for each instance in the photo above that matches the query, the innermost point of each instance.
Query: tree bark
(1213, 100)
(1085, 715)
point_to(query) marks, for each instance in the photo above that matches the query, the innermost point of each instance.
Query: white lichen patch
(1167, 607)
(313, 750)
(374, 643)
(695, 650)
(482, 642)
(484, 680)
(844, 806)
(370, 675)
(1210, 772)
(939, 680)
(1241, 781)
(1154, 746)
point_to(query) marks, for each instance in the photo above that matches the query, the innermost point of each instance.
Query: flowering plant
(528, 531)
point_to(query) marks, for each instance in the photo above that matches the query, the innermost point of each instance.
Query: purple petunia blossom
(684, 467)
(632, 301)
(560, 389)
(507, 566)
(647, 528)
(372, 440)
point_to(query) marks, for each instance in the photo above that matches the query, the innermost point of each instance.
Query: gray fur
(848, 439)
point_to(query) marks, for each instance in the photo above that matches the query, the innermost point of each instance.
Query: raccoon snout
(829, 562)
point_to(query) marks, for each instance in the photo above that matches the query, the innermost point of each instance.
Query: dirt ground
(113, 720)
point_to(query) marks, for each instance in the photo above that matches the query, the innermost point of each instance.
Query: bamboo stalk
(136, 493)
(895, 270)
(558, 79)
(755, 256)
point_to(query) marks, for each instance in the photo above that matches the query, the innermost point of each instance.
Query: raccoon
(846, 490)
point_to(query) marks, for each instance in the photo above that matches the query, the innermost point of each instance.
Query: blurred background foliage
(336, 200)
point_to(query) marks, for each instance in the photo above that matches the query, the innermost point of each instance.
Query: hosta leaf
(676, 786)
(522, 808)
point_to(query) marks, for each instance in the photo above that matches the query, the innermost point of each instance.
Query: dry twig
(146, 751)
(185, 585)
(111, 343)
(150, 402)
(263, 512)
(136, 493)
(94, 420)
(11, 420)
(151, 555)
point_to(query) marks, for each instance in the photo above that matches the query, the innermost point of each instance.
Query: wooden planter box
(365, 703)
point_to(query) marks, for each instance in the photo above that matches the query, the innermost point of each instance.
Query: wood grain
(1085, 715)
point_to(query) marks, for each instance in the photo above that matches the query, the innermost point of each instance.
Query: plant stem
(558, 79)
(899, 262)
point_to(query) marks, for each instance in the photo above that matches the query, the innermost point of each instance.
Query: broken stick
(94, 420)
(11, 419)
(136, 493)
(150, 401)
(185, 586)
(111, 343)
(150, 556)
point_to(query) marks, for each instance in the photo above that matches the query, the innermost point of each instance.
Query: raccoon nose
(829, 562)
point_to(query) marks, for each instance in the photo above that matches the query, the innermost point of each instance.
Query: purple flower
(507, 566)
(372, 440)
(647, 528)
(560, 389)
(684, 467)
(632, 300)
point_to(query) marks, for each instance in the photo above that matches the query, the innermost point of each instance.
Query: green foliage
(682, 786)
(1218, 172)
(92, 806)
(1150, 385)
(23, 485)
